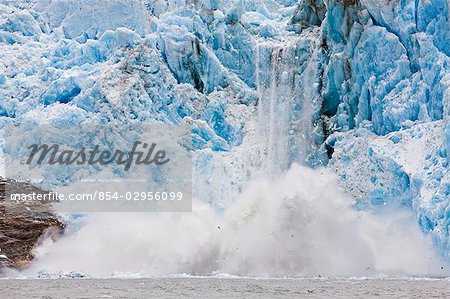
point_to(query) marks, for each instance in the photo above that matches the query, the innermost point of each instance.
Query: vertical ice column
(286, 80)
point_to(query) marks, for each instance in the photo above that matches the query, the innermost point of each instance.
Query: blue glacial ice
(360, 86)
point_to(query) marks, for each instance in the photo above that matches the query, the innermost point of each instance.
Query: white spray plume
(301, 225)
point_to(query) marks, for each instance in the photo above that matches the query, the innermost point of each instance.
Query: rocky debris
(309, 13)
(23, 224)
(348, 3)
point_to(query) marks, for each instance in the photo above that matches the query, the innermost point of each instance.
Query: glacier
(359, 86)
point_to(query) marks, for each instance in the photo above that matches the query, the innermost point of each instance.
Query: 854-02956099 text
(100, 196)
(104, 167)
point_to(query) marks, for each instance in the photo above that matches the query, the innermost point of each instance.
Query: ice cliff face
(387, 86)
(360, 85)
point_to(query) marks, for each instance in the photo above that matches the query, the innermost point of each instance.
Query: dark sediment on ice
(23, 224)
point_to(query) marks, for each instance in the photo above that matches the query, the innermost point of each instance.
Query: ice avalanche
(358, 89)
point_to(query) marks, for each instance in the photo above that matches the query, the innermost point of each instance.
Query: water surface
(229, 288)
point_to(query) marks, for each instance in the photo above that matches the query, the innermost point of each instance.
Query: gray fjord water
(225, 288)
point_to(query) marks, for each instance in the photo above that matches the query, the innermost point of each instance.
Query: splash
(300, 225)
